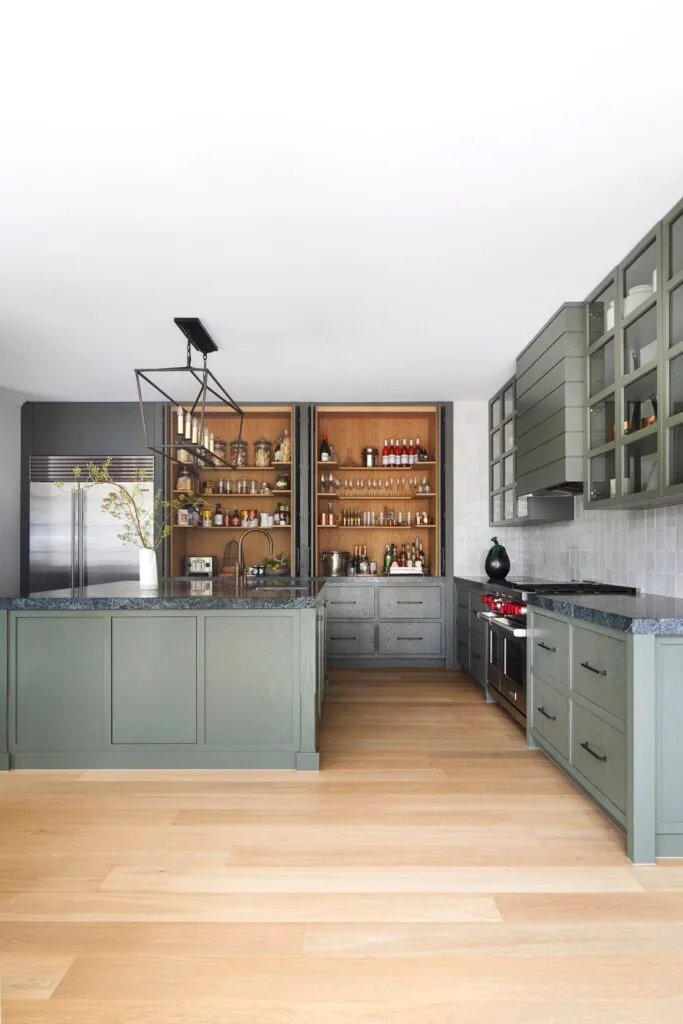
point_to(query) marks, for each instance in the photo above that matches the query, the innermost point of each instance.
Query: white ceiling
(361, 200)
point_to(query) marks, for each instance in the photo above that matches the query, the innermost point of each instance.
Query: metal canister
(369, 457)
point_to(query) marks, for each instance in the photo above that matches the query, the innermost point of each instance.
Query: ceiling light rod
(193, 451)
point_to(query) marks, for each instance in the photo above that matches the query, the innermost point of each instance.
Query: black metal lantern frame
(199, 339)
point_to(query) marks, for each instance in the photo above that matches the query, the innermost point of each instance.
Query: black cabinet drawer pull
(542, 711)
(598, 671)
(343, 602)
(409, 638)
(545, 647)
(343, 638)
(410, 602)
(589, 750)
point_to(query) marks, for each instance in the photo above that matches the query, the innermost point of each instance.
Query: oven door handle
(500, 623)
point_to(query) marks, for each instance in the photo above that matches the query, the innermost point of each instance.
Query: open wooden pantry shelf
(357, 433)
(247, 493)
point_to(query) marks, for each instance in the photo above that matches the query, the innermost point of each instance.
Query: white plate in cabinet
(550, 716)
(550, 650)
(599, 754)
(346, 638)
(409, 602)
(350, 602)
(599, 670)
(422, 639)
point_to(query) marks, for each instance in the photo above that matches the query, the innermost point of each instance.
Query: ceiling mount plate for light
(198, 338)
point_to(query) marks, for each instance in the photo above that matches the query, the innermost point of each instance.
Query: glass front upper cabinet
(676, 455)
(640, 341)
(641, 465)
(641, 403)
(496, 413)
(640, 280)
(501, 455)
(602, 423)
(601, 368)
(601, 313)
(602, 476)
(676, 316)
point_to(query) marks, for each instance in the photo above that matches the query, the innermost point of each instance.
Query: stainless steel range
(504, 609)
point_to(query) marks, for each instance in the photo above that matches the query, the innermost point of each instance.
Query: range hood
(549, 421)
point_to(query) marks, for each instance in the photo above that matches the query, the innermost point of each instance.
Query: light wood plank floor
(434, 872)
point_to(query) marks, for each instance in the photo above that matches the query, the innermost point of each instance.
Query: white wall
(10, 476)
(472, 533)
(642, 549)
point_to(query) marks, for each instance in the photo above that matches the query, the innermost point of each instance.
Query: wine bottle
(385, 453)
(372, 565)
(411, 453)
(324, 449)
(391, 455)
(218, 515)
(403, 460)
(388, 558)
(363, 564)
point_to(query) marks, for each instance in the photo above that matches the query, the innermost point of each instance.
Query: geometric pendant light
(193, 442)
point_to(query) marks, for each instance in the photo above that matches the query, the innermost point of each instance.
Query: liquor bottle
(388, 557)
(385, 453)
(422, 454)
(403, 460)
(391, 454)
(218, 515)
(403, 558)
(363, 564)
(411, 453)
(373, 566)
(325, 449)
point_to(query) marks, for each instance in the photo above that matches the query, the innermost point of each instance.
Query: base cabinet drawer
(347, 638)
(409, 602)
(477, 625)
(350, 602)
(599, 672)
(462, 601)
(462, 654)
(478, 657)
(598, 752)
(550, 648)
(423, 639)
(550, 716)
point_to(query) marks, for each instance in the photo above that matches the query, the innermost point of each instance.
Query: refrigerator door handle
(74, 538)
(81, 538)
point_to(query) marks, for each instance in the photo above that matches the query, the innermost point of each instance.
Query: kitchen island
(195, 674)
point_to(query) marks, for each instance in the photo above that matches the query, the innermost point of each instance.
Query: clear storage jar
(262, 453)
(238, 452)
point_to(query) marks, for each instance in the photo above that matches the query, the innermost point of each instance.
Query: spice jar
(235, 519)
(238, 452)
(207, 517)
(262, 453)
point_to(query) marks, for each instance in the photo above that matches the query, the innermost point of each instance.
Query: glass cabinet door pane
(601, 477)
(495, 445)
(495, 476)
(509, 437)
(676, 244)
(602, 423)
(676, 316)
(640, 341)
(640, 279)
(641, 466)
(676, 455)
(676, 385)
(495, 508)
(640, 403)
(601, 314)
(522, 507)
(495, 412)
(508, 403)
(602, 368)
(509, 504)
(509, 471)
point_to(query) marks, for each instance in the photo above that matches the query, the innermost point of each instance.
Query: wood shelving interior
(260, 422)
(352, 428)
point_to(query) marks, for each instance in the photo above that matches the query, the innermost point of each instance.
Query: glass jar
(238, 452)
(207, 487)
(262, 453)
(186, 480)
(220, 448)
(282, 482)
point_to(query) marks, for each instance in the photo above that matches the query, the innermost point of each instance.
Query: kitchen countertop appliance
(202, 566)
(504, 610)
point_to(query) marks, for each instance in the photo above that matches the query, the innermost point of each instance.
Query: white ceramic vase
(149, 579)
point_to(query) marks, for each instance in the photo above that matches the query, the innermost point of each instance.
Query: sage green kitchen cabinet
(249, 681)
(164, 689)
(154, 679)
(471, 633)
(390, 622)
(60, 677)
(613, 721)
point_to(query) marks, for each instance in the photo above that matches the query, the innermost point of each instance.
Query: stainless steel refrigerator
(72, 541)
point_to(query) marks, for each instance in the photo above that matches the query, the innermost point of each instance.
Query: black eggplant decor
(497, 564)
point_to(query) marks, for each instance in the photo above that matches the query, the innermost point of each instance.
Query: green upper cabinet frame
(634, 375)
(502, 503)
